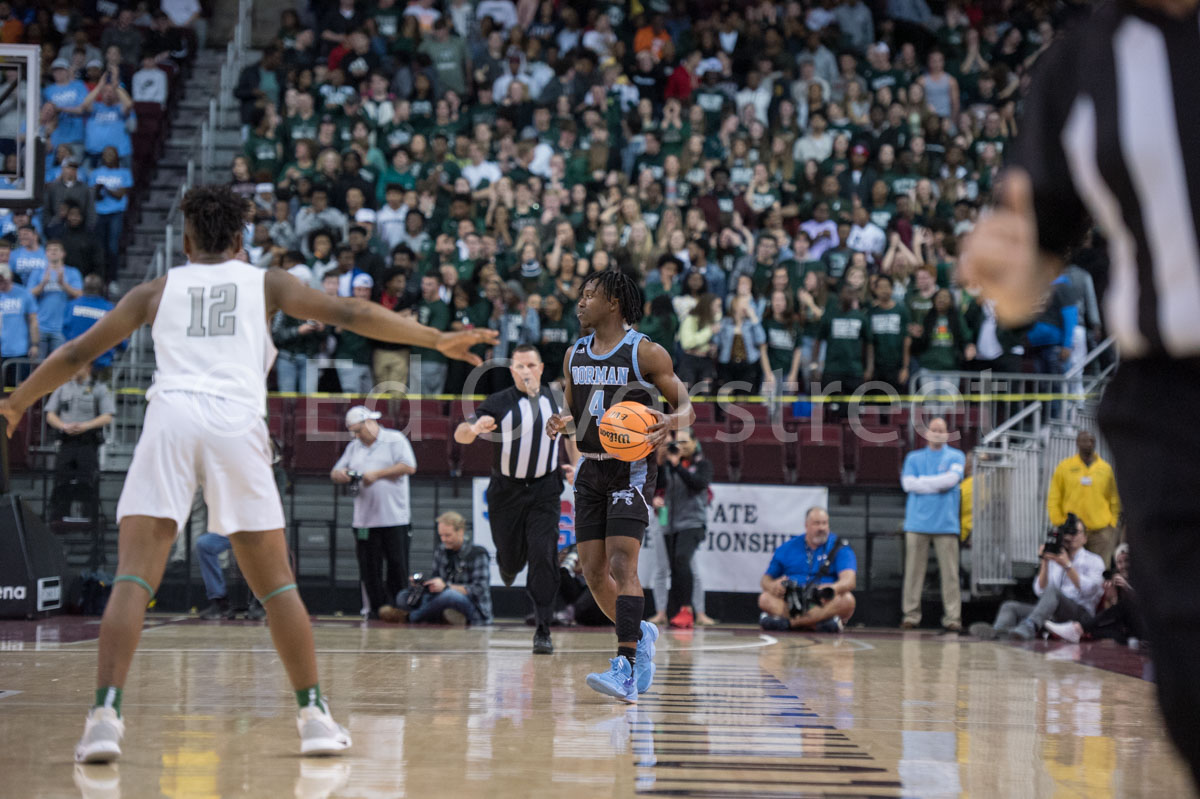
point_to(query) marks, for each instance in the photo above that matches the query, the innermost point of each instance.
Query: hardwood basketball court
(440, 712)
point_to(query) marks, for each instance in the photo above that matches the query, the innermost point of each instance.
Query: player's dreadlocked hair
(214, 214)
(622, 288)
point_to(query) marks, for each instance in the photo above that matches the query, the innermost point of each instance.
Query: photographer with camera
(1069, 584)
(1119, 619)
(457, 591)
(684, 477)
(376, 466)
(810, 580)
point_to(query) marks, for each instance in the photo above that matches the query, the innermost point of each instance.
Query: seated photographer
(1118, 620)
(458, 589)
(809, 582)
(1069, 583)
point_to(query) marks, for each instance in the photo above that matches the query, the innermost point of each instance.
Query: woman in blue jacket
(741, 343)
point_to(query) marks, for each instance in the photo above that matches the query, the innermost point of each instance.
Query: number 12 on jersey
(222, 303)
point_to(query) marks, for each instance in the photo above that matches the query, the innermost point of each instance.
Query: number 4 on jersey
(596, 405)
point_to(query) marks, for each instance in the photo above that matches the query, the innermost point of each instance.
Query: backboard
(22, 161)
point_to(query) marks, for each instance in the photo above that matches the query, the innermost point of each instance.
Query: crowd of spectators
(789, 181)
(98, 60)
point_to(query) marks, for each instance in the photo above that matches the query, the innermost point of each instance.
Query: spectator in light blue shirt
(87, 310)
(53, 286)
(109, 110)
(112, 182)
(28, 256)
(931, 477)
(18, 327)
(66, 94)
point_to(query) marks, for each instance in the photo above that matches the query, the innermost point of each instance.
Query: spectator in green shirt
(450, 59)
(889, 335)
(262, 146)
(555, 333)
(849, 355)
(783, 329)
(353, 350)
(661, 324)
(430, 378)
(943, 344)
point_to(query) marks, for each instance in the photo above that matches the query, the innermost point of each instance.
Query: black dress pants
(1147, 417)
(384, 547)
(681, 546)
(524, 518)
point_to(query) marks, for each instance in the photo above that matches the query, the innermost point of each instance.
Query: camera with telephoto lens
(416, 590)
(570, 560)
(1054, 538)
(355, 483)
(800, 598)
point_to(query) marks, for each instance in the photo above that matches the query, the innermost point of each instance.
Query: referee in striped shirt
(1111, 135)
(523, 495)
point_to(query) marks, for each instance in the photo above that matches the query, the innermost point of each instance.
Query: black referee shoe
(542, 645)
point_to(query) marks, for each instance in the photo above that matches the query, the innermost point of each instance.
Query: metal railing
(1012, 469)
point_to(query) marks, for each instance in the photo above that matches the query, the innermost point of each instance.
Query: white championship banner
(746, 523)
(482, 530)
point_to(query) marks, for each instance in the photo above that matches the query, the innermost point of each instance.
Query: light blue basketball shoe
(645, 657)
(617, 682)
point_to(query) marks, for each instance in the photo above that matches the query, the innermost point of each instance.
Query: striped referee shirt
(1111, 129)
(520, 447)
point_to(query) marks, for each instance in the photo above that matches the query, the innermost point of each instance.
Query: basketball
(623, 431)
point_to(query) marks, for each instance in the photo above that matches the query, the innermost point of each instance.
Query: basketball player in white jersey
(204, 425)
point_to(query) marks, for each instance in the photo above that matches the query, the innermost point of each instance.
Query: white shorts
(189, 440)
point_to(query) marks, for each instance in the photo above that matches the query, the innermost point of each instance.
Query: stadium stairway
(170, 168)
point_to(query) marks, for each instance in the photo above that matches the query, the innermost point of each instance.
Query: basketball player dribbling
(615, 363)
(204, 425)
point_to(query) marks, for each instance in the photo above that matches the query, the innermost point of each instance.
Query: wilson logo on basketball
(614, 437)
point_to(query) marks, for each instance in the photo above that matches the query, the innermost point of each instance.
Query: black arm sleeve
(1062, 218)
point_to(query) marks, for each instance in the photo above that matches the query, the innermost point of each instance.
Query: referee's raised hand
(1001, 254)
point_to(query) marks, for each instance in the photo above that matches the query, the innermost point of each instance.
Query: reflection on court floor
(449, 712)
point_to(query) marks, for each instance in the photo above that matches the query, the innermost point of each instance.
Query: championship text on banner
(746, 524)
(481, 530)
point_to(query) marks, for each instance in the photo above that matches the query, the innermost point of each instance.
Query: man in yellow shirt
(1083, 484)
(966, 492)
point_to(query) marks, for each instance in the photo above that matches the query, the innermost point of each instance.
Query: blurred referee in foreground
(1111, 132)
(523, 496)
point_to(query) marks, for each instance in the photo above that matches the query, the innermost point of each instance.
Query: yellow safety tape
(751, 400)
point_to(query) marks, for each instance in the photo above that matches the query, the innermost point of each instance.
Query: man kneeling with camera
(456, 591)
(1068, 585)
(809, 582)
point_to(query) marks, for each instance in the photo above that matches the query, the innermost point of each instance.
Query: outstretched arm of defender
(135, 309)
(370, 319)
(658, 369)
